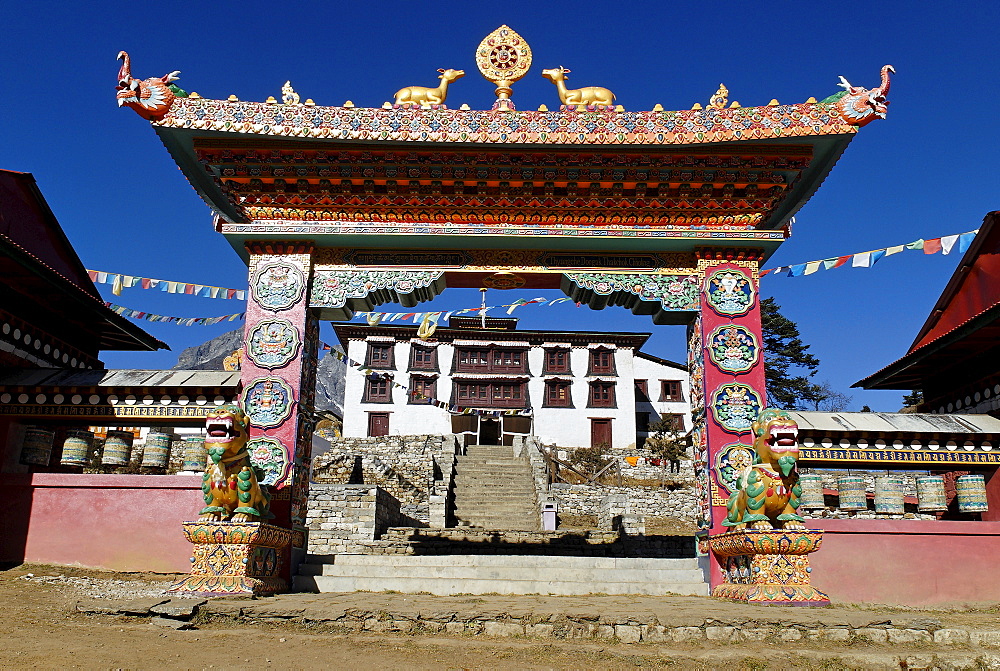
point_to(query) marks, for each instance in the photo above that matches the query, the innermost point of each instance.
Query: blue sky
(922, 173)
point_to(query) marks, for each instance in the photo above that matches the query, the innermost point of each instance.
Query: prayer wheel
(971, 490)
(812, 491)
(889, 495)
(77, 447)
(37, 446)
(853, 493)
(156, 453)
(117, 447)
(195, 456)
(930, 494)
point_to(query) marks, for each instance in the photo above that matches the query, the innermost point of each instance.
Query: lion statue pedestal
(235, 558)
(768, 567)
(765, 556)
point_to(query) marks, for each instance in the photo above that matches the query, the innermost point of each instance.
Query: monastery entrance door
(489, 431)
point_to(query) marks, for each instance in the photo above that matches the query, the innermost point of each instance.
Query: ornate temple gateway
(339, 209)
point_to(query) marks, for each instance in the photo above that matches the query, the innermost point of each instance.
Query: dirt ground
(42, 629)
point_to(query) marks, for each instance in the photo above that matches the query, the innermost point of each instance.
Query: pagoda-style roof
(425, 176)
(960, 341)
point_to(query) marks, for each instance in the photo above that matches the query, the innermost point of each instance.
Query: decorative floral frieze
(332, 288)
(675, 292)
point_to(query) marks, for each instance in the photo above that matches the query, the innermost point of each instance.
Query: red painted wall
(907, 562)
(119, 522)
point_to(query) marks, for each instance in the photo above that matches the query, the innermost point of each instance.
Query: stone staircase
(503, 574)
(495, 490)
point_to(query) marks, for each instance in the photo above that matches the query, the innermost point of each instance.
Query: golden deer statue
(588, 95)
(422, 95)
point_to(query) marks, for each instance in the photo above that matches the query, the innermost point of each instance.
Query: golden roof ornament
(582, 97)
(719, 100)
(503, 57)
(421, 95)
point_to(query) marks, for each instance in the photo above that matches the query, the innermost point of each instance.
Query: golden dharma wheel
(503, 57)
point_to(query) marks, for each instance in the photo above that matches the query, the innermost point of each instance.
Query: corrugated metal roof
(876, 422)
(55, 377)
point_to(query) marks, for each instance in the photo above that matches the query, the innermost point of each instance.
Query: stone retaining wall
(639, 502)
(341, 517)
(404, 466)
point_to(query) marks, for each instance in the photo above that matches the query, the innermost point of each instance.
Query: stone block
(454, 627)
(987, 639)
(603, 631)
(686, 634)
(655, 633)
(725, 634)
(871, 634)
(952, 636)
(755, 634)
(790, 635)
(540, 630)
(837, 634)
(503, 629)
(628, 633)
(908, 636)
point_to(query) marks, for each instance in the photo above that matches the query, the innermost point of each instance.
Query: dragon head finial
(150, 98)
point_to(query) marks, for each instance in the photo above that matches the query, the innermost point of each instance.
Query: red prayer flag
(841, 260)
(932, 246)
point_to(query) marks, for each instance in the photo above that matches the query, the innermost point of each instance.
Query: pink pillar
(726, 342)
(281, 340)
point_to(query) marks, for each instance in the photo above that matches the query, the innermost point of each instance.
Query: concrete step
(508, 574)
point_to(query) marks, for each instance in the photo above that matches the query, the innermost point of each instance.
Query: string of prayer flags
(119, 282)
(945, 245)
(181, 321)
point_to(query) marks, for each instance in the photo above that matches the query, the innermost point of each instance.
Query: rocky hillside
(330, 373)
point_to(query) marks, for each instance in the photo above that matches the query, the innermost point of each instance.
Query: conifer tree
(788, 364)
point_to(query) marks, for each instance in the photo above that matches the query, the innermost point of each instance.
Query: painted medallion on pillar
(735, 406)
(273, 343)
(271, 457)
(277, 285)
(730, 464)
(730, 292)
(268, 401)
(733, 348)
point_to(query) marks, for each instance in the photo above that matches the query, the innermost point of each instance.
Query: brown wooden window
(423, 358)
(602, 395)
(379, 355)
(422, 390)
(602, 362)
(557, 361)
(498, 394)
(557, 394)
(670, 390)
(378, 391)
(642, 390)
(498, 360)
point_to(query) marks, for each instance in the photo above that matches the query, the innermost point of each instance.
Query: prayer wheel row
(36, 450)
(889, 493)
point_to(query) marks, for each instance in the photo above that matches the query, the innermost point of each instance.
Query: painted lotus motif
(270, 456)
(273, 343)
(735, 406)
(277, 285)
(267, 401)
(733, 348)
(730, 292)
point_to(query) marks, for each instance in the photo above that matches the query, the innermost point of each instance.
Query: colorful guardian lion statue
(769, 490)
(232, 493)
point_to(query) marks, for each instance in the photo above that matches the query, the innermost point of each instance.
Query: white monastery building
(570, 388)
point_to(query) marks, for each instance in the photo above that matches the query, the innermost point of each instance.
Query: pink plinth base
(235, 558)
(768, 567)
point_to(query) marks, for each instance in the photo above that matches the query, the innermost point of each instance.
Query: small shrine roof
(893, 422)
(118, 378)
